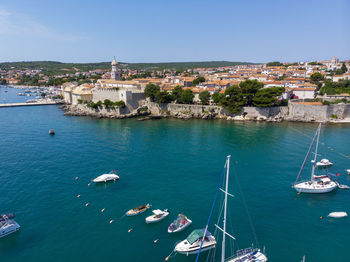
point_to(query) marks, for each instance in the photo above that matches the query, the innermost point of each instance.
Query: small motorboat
(51, 131)
(192, 243)
(337, 214)
(111, 176)
(348, 171)
(179, 224)
(158, 215)
(8, 225)
(138, 210)
(324, 163)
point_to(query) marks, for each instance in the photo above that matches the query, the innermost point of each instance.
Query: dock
(30, 104)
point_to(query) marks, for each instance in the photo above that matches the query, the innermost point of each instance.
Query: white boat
(324, 163)
(193, 242)
(179, 224)
(111, 176)
(337, 214)
(158, 215)
(317, 184)
(138, 210)
(7, 225)
(348, 171)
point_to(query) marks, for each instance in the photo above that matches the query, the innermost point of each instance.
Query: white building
(304, 92)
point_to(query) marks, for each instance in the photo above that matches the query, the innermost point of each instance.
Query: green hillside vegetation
(58, 67)
(335, 88)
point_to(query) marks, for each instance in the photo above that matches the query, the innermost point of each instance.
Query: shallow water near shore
(168, 163)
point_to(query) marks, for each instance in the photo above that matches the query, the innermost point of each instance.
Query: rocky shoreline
(192, 112)
(70, 110)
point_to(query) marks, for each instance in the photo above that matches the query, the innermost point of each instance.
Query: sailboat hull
(314, 188)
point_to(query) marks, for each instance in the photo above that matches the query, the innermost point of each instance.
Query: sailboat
(247, 255)
(316, 184)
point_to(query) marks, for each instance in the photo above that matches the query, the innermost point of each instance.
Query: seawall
(293, 112)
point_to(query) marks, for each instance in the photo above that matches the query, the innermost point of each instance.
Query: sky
(174, 31)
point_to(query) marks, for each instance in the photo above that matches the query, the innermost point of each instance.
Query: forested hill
(58, 66)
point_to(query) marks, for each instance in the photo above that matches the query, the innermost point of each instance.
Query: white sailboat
(247, 255)
(316, 184)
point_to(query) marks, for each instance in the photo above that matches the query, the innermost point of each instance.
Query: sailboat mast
(225, 209)
(316, 150)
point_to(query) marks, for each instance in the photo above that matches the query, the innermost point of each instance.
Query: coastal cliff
(299, 112)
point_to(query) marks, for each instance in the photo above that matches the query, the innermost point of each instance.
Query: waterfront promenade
(30, 104)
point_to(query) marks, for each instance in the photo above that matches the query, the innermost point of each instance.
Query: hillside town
(327, 79)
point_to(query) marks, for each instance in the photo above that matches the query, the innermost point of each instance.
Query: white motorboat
(337, 214)
(111, 176)
(138, 210)
(324, 163)
(348, 171)
(317, 184)
(179, 224)
(158, 215)
(8, 225)
(192, 243)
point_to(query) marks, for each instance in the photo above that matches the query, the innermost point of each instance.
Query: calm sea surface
(170, 164)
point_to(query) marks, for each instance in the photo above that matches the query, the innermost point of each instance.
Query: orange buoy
(129, 230)
(167, 258)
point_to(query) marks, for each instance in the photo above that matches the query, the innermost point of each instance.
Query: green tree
(217, 97)
(176, 92)
(249, 89)
(275, 63)
(186, 97)
(151, 90)
(163, 97)
(108, 103)
(43, 94)
(316, 77)
(333, 88)
(204, 97)
(233, 100)
(120, 103)
(267, 96)
(343, 68)
(198, 80)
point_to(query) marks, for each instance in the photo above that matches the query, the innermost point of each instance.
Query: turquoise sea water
(170, 164)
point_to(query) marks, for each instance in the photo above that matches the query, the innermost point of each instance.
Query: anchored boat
(8, 225)
(157, 216)
(138, 210)
(337, 214)
(317, 184)
(324, 163)
(111, 176)
(199, 239)
(179, 224)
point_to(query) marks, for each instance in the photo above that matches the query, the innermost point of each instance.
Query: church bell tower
(115, 73)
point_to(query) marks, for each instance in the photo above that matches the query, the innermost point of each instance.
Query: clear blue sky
(182, 30)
